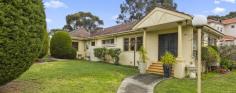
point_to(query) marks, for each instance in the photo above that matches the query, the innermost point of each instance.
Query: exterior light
(199, 21)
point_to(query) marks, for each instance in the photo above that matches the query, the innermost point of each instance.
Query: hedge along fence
(61, 46)
(102, 54)
(22, 23)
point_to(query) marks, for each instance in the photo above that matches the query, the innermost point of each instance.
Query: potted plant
(143, 59)
(168, 60)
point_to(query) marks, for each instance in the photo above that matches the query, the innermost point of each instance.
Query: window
(75, 45)
(131, 43)
(126, 44)
(108, 41)
(232, 26)
(92, 43)
(139, 42)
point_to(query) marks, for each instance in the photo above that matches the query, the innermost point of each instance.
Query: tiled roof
(229, 38)
(229, 21)
(213, 21)
(81, 32)
(114, 29)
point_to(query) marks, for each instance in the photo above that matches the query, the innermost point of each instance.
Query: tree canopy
(82, 19)
(228, 16)
(133, 10)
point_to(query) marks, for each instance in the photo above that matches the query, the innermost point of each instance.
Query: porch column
(144, 38)
(179, 67)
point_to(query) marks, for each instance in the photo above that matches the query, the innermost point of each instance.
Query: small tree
(61, 46)
(114, 53)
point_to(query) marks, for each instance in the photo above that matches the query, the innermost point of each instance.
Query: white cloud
(55, 4)
(217, 2)
(48, 20)
(114, 17)
(227, 1)
(218, 10)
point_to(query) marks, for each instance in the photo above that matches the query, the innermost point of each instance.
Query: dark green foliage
(100, 53)
(114, 53)
(82, 19)
(61, 46)
(22, 23)
(134, 10)
(72, 53)
(218, 18)
(226, 64)
(45, 45)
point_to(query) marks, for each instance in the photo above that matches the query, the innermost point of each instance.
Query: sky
(108, 10)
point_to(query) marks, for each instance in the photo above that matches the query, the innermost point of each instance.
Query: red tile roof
(81, 32)
(229, 38)
(229, 21)
(114, 29)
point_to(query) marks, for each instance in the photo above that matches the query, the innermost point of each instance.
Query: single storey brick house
(160, 31)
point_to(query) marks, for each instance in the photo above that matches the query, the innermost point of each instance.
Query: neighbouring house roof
(229, 21)
(213, 21)
(228, 38)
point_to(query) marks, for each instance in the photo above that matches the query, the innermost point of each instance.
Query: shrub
(45, 46)
(210, 55)
(61, 46)
(100, 53)
(72, 53)
(226, 64)
(114, 53)
(168, 59)
(22, 23)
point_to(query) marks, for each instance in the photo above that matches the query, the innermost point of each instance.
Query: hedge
(61, 46)
(45, 45)
(22, 23)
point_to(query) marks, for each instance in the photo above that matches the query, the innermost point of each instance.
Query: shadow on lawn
(19, 87)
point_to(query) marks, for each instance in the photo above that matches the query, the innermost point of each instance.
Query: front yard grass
(74, 77)
(211, 83)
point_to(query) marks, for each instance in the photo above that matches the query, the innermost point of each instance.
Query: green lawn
(212, 83)
(73, 77)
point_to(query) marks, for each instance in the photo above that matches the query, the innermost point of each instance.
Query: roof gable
(161, 16)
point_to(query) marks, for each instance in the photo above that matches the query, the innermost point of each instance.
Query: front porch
(165, 30)
(171, 38)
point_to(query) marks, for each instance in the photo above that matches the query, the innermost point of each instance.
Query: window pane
(93, 44)
(132, 46)
(126, 44)
(75, 45)
(139, 42)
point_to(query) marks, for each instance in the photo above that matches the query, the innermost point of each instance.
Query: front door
(168, 42)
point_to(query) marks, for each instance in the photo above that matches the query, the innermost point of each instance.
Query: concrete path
(142, 83)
